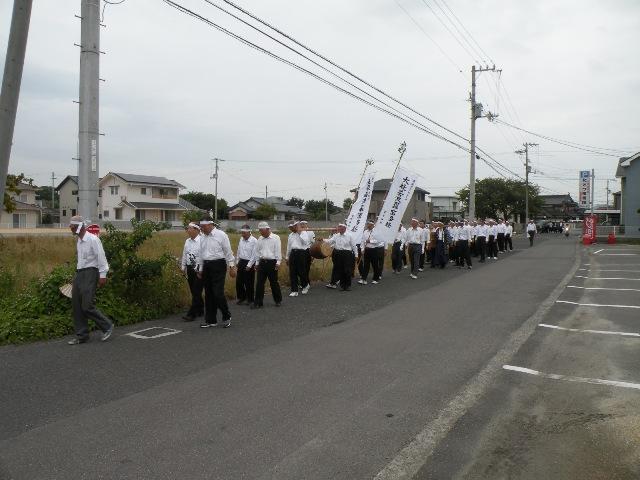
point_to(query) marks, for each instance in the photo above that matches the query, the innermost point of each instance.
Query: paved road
(333, 385)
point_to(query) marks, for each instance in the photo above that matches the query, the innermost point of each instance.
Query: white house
(27, 214)
(125, 196)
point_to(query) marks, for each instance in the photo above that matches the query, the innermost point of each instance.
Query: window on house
(140, 215)
(24, 197)
(100, 192)
(105, 214)
(455, 205)
(114, 190)
(64, 213)
(74, 192)
(143, 191)
(118, 212)
(73, 212)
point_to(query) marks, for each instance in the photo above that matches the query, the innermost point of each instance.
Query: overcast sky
(179, 93)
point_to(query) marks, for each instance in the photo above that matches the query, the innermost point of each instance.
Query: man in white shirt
(531, 231)
(343, 256)
(425, 240)
(267, 257)
(465, 233)
(371, 247)
(414, 237)
(508, 244)
(309, 237)
(91, 272)
(492, 247)
(190, 253)
(396, 250)
(502, 230)
(214, 256)
(439, 258)
(245, 279)
(296, 258)
(481, 240)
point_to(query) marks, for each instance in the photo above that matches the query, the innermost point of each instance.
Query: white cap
(263, 225)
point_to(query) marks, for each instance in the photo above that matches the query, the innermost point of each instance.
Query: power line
(468, 33)
(473, 56)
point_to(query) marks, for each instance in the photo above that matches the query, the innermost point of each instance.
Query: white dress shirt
(268, 248)
(215, 246)
(492, 230)
(465, 232)
(370, 241)
(531, 227)
(246, 248)
(190, 253)
(91, 254)
(509, 230)
(296, 241)
(400, 236)
(343, 241)
(414, 235)
(308, 237)
(501, 228)
(481, 231)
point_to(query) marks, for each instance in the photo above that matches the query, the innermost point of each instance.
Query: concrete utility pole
(11, 79)
(593, 187)
(526, 177)
(53, 190)
(326, 203)
(476, 112)
(215, 201)
(88, 131)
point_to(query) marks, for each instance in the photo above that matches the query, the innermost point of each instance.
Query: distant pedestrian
(245, 280)
(371, 247)
(188, 265)
(531, 231)
(344, 255)
(91, 272)
(296, 258)
(508, 243)
(215, 257)
(414, 237)
(481, 240)
(397, 250)
(267, 259)
(309, 238)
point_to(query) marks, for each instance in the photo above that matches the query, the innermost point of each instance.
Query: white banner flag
(398, 198)
(360, 208)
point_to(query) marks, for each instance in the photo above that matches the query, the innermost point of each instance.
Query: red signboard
(589, 227)
(94, 228)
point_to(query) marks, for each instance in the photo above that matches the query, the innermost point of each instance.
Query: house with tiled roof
(27, 213)
(244, 210)
(628, 172)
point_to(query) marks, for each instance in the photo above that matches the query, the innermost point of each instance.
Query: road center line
(598, 251)
(597, 304)
(606, 288)
(416, 454)
(609, 270)
(607, 278)
(603, 332)
(618, 254)
(569, 378)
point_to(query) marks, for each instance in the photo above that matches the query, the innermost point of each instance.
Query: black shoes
(208, 325)
(77, 341)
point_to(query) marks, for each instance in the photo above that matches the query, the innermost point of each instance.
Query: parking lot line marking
(603, 332)
(606, 288)
(598, 251)
(597, 304)
(607, 278)
(169, 331)
(569, 378)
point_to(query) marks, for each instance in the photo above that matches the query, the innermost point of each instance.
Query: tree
(347, 202)
(13, 181)
(44, 194)
(502, 197)
(206, 202)
(295, 202)
(316, 208)
(266, 211)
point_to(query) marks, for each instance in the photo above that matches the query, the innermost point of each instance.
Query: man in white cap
(414, 237)
(343, 256)
(91, 272)
(397, 249)
(465, 234)
(296, 258)
(245, 279)
(531, 231)
(267, 259)
(214, 259)
(309, 238)
(190, 253)
(492, 234)
(370, 244)
(501, 228)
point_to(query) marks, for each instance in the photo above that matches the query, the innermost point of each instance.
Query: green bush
(137, 289)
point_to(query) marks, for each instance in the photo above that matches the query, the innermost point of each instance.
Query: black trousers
(214, 273)
(371, 260)
(381, 252)
(501, 242)
(439, 257)
(245, 281)
(423, 257)
(83, 299)
(396, 256)
(482, 247)
(298, 273)
(342, 267)
(492, 247)
(415, 257)
(404, 255)
(464, 254)
(531, 235)
(360, 262)
(267, 270)
(474, 247)
(195, 287)
(508, 242)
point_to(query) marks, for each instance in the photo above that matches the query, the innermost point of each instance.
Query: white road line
(618, 254)
(618, 264)
(596, 269)
(608, 278)
(597, 304)
(603, 332)
(598, 251)
(587, 264)
(606, 288)
(167, 331)
(406, 464)
(569, 378)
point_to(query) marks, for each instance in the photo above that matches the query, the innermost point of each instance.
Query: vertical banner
(584, 188)
(589, 227)
(397, 201)
(360, 208)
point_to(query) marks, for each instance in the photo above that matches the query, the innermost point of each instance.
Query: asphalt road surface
(398, 380)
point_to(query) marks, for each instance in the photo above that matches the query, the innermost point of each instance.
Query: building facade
(245, 210)
(447, 207)
(628, 172)
(27, 213)
(419, 206)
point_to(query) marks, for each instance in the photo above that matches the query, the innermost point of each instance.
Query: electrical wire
(468, 33)
(473, 55)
